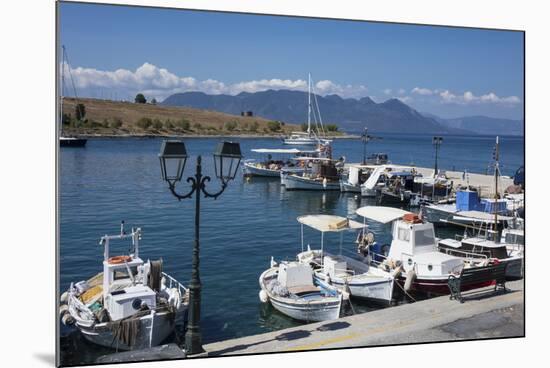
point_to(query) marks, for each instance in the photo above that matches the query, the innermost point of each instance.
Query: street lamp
(436, 141)
(366, 139)
(173, 157)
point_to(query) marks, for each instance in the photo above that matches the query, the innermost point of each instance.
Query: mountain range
(350, 114)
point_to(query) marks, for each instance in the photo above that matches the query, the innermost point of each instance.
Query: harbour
(256, 219)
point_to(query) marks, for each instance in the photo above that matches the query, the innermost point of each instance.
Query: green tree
(154, 101)
(144, 123)
(80, 112)
(332, 127)
(66, 119)
(304, 127)
(230, 125)
(140, 98)
(197, 126)
(274, 126)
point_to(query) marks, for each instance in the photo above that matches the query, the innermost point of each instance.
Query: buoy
(396, 272)
(411, 275)
(67, 319)
(63, 309)
(64, 297)
(263, 296)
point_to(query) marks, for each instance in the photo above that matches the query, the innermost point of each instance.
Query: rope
(407, 294)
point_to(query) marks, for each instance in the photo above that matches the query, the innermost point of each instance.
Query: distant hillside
(483, 124)
(349, 114)
(118, 118)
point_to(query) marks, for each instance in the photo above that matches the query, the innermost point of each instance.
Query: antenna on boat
(122, 228)
(309, 104)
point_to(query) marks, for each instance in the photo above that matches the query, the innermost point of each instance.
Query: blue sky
(115, 52)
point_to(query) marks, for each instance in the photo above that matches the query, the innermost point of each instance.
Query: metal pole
(193, 340)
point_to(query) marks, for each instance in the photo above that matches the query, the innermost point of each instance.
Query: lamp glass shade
(227, 158)
(173, 157)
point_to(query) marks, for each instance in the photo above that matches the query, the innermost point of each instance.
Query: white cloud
(422, 91)
(160, 83)
(387, 91)
(469, 97)
(401, 91)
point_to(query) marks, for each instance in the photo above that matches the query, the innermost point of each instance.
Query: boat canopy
(381, 214)
(276, 150)
(313, 159)
(329, 223)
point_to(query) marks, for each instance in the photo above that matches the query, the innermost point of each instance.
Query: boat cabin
(413, 242)
(123, 296)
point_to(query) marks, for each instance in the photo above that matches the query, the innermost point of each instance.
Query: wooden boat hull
(250, 169)
(299, 309)
(437, 286)
(349, 188)
(379, 289)
(294, 182)
(153, 330)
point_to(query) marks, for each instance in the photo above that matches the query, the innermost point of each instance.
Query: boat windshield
(123, 273)
(424, 237)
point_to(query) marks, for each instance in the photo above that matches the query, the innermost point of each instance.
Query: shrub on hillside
(183, 124)
(168, 124)
(332, 127)
(144, 123)
(157, 124)
(254, 127)
(274, 126)
(116, 123)
(230, 125)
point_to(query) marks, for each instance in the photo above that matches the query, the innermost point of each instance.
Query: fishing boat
(414, 257)
(344, 272)
(272, 167)
(65, 140)
(319, 173)
(378, 179)
(355, 177)
(292, 290)
(131, 305)
(309, 137)
(487, 244)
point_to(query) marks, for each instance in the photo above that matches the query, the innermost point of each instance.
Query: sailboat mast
(309, 104)
(61, 90)
(496, 190)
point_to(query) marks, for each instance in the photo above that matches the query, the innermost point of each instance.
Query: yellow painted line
(323, 343)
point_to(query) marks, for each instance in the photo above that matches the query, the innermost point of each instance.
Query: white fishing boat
(346, 273)
(272, 167)
(413, 255)
(319, 174)
(309, 137)
(378, 178)
(292, 290)
(131, 305)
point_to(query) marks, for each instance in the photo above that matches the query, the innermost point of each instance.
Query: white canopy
(381, 214)
(329, 223)
(276, 150)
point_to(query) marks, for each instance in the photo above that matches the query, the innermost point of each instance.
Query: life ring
(119, 259)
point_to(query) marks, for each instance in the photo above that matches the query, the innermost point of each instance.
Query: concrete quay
(484, 314)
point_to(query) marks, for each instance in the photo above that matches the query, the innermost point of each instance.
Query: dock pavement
(484, 314)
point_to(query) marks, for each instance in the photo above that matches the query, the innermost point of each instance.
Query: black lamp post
(173, 157)
(436, 141)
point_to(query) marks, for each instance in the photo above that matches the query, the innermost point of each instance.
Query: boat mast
(62, 90)
(496, 190)
(309, 104)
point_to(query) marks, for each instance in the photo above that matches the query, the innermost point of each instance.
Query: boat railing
(463, 254)
(172, 282)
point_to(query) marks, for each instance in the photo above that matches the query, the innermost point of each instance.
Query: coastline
(235, 136)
